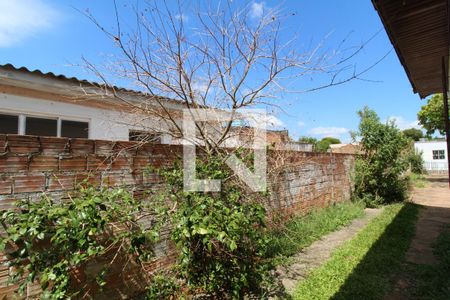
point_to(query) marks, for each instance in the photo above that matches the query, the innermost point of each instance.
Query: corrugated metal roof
(419, 32)
(76, 80)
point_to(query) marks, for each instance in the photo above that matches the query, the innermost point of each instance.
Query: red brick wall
(30, 166)
(300, 181)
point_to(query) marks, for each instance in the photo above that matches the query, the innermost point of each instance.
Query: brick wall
(30, 166)
(300, 181)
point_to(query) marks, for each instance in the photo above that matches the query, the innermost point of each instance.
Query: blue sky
(53, 35)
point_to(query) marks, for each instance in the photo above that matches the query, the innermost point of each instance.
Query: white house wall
(426, 148)
(103, 124)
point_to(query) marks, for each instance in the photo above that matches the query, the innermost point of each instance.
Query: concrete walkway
(432, 220)
(435, 198)
(320, 251)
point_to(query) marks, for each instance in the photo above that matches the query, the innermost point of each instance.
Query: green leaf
(202, 231)
(233, 245)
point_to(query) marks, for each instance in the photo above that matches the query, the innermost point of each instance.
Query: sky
(54, 35)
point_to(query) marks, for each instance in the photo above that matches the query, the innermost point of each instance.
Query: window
(74, 129)
(143, 136)
(40, 126)
(23, 124)
(438, 154)
(9, 124)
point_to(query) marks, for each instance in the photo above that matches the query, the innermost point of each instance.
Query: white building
(34, 103)
(434, 154)
(45, 104)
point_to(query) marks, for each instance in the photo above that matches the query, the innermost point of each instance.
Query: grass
(302, 231)
(364, 267)
(417, 180)
(433, 281)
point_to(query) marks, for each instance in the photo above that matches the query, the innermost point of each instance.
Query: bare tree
(222, 57)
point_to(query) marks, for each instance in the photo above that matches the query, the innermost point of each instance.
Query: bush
(379, 172)
(415, 161)
(324, 144)
(48, 239)
(221, 237)
(163, 285)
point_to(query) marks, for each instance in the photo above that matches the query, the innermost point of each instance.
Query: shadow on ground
(374, 275)
(393, 267)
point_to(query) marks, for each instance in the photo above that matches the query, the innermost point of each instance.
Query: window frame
(438, 154)
(23, 116)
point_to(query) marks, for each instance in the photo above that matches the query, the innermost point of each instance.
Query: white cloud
(329, 131)
(402, 123)
(182, 17)
(21, 19)
(200, 87)
(273, 122)
(257, 10)
(301, 124)
(267, 121)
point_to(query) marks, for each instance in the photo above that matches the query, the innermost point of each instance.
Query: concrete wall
(30, 166)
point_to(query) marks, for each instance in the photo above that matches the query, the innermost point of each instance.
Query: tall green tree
(413, 133)
(379, 171)
(431, 115)
(324, 144)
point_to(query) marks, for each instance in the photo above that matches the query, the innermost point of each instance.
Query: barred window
(438, 154)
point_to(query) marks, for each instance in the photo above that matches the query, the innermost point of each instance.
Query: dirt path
(320, 251)
(433, 218)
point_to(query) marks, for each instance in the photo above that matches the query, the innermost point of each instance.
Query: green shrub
(413, 159)
(163, 285)
(324, 144)
(220, 236)
(415, 162)
(47, 239)
(379, 172)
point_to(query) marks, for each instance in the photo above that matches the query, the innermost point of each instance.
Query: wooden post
(446, 117)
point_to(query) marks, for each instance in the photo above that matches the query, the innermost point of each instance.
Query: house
(434, 154)
(45, 104)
